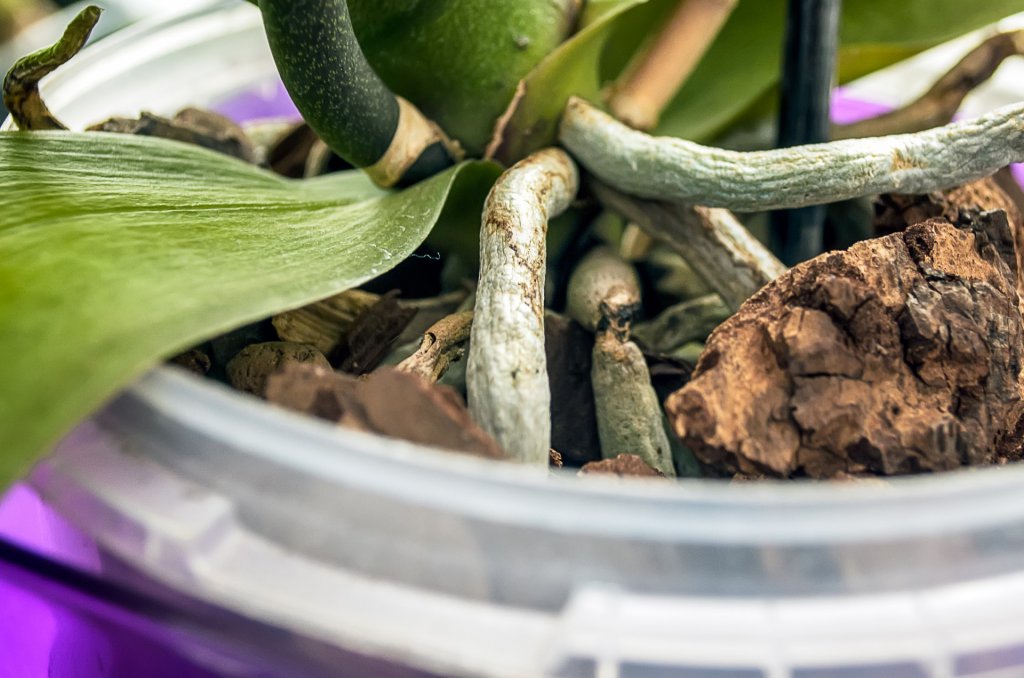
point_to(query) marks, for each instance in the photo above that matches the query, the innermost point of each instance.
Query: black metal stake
(812, 36)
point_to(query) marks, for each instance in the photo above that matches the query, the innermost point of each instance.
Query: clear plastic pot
(462, 566)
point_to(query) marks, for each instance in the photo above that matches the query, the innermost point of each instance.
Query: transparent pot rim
(686, 509)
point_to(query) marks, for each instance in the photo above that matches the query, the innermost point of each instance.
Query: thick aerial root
(682, 171)
(507, 372)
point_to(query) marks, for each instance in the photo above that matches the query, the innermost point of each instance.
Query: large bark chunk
(901, 355)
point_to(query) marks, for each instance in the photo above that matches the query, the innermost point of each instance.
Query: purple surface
(271, 101)
(846, 110)
(39, 637)
(29, 625)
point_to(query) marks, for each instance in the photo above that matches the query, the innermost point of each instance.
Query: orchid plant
(118, 251)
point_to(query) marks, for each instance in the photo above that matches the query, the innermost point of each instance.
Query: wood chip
(387, 402)
(622, 465)
(325, 323)
(372, 335)
(248, 371)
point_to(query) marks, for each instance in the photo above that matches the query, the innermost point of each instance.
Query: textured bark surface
(248, 371)
(964, 206)
(902, 354)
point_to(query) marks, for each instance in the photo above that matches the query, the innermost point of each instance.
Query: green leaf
(116, 251)
(574, 69)
(744, 63)
(459, 60)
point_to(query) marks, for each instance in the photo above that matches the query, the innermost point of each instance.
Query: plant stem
(812, 36)
(678, 170)
(649, 83)
(343, 99)
(712, 241)
(443, 344)
(507, 376)
(683, 323)
(21, 85)
(940, 103)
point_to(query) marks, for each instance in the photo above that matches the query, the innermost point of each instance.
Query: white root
(711, 240)
(603, 289)
(507, 377)
(629, 417)
(604, 296)
(678, 170)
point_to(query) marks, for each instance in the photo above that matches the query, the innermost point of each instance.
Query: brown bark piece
(288, 155)
(248, 371)
(387, 402)
(901, 355)
(1010, 445)
(895, 212)
(325, 323)
(193, 360)
(372, 334)
(622, 465)
(967, 207)
(573, 416)
(555, 458)
(318, 391)
(191, 126)
(403, 405)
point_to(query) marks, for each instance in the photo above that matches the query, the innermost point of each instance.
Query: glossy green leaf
(574, 69)
(744, 62)
(116, 251)
(459, 60)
